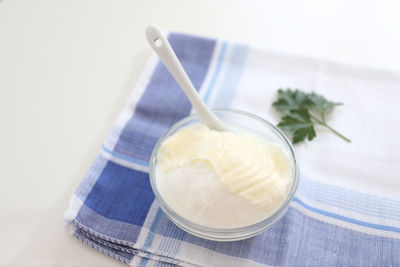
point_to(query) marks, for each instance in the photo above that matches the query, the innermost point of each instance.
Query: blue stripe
(152, 230)
(143, 262)
(169, 245)
(347, 219)
(151, 235)
(118, 155)
(350, 200)
(322, 191)
(356, 205)
(343, 192)
(347, 205)
(217, 72)
(232, 76)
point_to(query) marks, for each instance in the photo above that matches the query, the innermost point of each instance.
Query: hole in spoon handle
(156, 38)
(157, 42)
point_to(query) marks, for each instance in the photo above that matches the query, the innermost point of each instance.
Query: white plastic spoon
(164, 51)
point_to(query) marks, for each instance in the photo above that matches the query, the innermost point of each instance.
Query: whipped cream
(222, 179)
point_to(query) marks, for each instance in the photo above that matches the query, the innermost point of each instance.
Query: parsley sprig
(302, 111)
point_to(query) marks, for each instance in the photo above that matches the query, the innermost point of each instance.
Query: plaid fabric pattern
(331, 222)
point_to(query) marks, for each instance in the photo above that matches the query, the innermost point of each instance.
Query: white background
(67, 68)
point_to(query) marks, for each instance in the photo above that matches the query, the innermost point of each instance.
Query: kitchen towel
(346, 211)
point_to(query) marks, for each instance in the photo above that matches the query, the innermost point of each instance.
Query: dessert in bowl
(224, 185)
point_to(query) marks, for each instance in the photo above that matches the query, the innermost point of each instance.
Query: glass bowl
(236, 120)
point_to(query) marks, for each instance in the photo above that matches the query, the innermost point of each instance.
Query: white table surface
(67, 68)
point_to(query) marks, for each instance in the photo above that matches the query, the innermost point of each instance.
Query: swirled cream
(222, 179)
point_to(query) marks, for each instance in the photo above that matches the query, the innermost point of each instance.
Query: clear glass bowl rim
(224, 234)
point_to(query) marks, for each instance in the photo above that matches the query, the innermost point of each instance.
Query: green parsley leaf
(321, 105)
(290, 100)
(301, 112)
(299, 123)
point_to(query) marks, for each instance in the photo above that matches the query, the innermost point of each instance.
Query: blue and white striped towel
(347, 208)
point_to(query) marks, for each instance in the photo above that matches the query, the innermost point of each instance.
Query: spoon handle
(164, 51)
